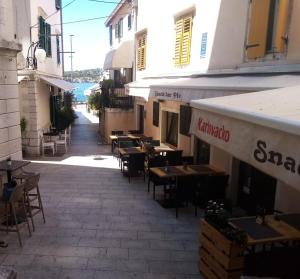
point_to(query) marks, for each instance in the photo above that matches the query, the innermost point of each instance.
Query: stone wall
(10, 133)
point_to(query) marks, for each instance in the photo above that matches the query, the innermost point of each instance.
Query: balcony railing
(118, 99)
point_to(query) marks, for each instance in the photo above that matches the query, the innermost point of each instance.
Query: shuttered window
(267, 27)
(58, 49)
(110, 35)
(45, 36)
(129, 22)
(120, 28)
(185, 120)
(155, 114)
(183, 37)
(141, 52)
(116, 30)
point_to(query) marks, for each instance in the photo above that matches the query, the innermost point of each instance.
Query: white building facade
(10, 135)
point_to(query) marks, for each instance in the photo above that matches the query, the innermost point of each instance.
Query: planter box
(219, 258)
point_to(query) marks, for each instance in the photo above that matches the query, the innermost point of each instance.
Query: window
(183, 33)
(129, 22)
(156, 114)
(58, 49)
(120, 28)
(116, 30)
(172, 128)
(267, 27)
(110, 35)
(58, 4)
(185, 120)
(45, 36)
(141, 52)
(203, 152)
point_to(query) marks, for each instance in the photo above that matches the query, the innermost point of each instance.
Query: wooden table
(15, 165)
(189, 170)
(130, 150)
(272, 231)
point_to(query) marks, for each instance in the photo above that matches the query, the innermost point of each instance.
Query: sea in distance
(79, 91)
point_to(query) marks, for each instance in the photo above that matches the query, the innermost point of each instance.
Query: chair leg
(153, 191)
(26, 219)
(16, 224)
(148, 184)
(29, 210)
(40, 203)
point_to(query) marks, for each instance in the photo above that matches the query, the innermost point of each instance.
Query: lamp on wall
(35, 54)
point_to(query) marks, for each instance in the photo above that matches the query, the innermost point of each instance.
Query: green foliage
(107, 84)
(64, 112)
(94, 101)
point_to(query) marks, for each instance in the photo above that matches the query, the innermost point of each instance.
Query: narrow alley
(97, 224)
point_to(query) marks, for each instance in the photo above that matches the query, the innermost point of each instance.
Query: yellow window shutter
(281, 28)
(139, 54)
(258, 27)
(143, 52)
(178, 40)
(186, 41)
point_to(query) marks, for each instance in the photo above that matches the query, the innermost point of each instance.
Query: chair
(66, 135)
(62, 141)
(117, 133)
(46, 145)
(189, 160)
(155, 161)
(174, 157)
(155, 142)
(32, 194)
(133, 131)
(211, 187)
(135, 165)
(9, 211)
(124, 144)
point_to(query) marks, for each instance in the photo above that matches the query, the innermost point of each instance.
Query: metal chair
(135, 165)
(62, 141)
(174, 157)
(46, 145)
(33, 201)
(133, 131)
(9, 211)
(117, 133)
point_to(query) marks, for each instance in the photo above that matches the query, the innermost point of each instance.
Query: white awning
(261, 128)
(187, 89)
(122, 57)
(141, 88)
(60, 83)
(89, 91)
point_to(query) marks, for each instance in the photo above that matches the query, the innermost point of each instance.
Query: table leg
(8, 176)
(176, 196)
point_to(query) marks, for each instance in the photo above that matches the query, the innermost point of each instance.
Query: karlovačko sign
(272, 151)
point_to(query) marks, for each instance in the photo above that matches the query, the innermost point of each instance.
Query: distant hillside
(90, 75)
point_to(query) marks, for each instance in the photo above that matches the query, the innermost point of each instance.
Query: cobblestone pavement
(98, 225)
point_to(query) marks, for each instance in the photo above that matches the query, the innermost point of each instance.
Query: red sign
(213, 130)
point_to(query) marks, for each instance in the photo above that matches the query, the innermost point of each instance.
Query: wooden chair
(117, 133)
(8, 211)
(133, 131)
(135, 165)
(174, 157)
(47, 145)
(33, 201)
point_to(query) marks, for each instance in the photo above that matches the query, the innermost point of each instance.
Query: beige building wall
(184, 142)
(287, 198)
(118, 119)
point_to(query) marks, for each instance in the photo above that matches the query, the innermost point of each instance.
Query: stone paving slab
(98, 225)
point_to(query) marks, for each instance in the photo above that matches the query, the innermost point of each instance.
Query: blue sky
(90, 41)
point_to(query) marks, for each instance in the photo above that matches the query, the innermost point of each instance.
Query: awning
(187, 89)
(89, 91)
(60, 83)
(141, 88)
(261, 128)
(122, 57)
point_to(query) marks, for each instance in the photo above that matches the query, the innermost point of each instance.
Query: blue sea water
(79, 91)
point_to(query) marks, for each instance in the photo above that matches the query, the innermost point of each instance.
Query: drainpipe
(62, 43)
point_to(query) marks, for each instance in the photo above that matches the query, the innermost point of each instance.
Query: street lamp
(35, 54)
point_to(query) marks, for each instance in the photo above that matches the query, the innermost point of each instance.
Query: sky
(91, 39)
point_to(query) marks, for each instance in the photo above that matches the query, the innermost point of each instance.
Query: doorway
(256, 189)
(202, 152)
(141, 118)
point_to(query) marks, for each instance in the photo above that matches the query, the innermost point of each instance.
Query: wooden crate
(219, 258)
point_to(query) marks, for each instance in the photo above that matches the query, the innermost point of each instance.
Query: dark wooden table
(275, 229)
(15, 165)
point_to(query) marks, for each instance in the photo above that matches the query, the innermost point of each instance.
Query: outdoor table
(15, 165)
(275, 229)
(130, 150)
